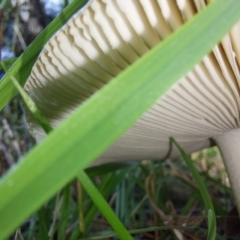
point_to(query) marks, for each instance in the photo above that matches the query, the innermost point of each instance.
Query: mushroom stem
(228, 144)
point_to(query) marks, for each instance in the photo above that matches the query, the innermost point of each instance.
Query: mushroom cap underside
(96, 45)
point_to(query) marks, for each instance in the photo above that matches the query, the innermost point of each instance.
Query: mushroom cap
(103, 40)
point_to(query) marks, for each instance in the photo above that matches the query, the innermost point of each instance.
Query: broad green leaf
(23, 65)
(92, 128)
(90, 188)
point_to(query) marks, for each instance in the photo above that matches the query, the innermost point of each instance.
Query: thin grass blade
(103, 206)
(203, 190)
(7, 63)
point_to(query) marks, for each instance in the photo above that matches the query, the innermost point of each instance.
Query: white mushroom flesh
(96, 45)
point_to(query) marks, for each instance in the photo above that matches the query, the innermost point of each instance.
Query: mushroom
(108, 36)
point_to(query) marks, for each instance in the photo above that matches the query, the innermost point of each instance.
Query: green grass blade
(107, 186)
(31, 106)
(7, 62)
(89, 130)
(107, 168)
(23, 65)
(103, 206)
(212, 225)
(189, 204)
(204, 192)
(64, 212)
(217, 182)
(43, 228)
